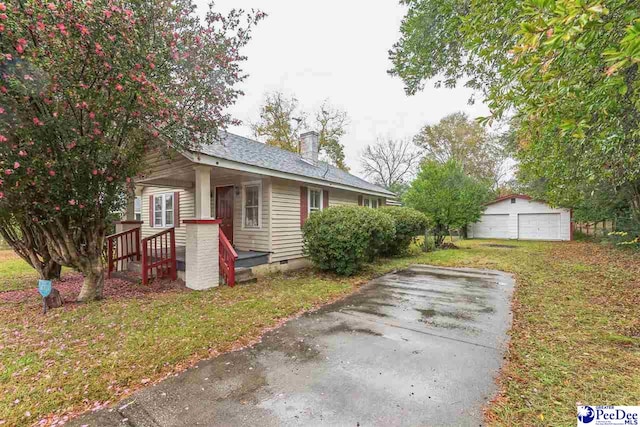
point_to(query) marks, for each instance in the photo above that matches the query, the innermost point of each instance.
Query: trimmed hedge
(342, 239)
(409, 224)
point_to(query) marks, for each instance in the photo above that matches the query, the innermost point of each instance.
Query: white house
(517, 216)
(237, 198)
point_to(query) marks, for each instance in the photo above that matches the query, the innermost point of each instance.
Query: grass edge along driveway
(572, 341)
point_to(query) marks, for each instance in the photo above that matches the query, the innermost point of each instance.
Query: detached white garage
(518, 217)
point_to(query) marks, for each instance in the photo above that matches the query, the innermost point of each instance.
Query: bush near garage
(410, 223)
(342, 239)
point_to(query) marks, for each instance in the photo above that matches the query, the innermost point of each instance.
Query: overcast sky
(338, 50)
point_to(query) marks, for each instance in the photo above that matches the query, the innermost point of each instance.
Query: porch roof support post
(130, 214)
(203, 192)
(202, 268)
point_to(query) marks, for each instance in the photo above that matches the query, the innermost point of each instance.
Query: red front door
(224, 210)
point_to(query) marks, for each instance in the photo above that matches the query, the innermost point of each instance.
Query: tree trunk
(79, 247)
(51, 270)
(635, 205)
(425, 246)
(30, 245)
(93, 284)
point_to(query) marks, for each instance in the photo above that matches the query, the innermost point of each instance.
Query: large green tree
(282, 120)
(565, 71)
(466, 141)
(86, 88)
(449, 197)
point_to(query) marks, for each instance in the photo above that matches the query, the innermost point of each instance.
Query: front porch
(214, 222)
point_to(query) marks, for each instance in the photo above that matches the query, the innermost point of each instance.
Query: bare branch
(390, 162)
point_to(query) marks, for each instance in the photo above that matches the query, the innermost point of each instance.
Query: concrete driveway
(420, 347)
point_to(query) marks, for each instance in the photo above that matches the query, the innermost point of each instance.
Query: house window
(513, 200)
(315, 200)
(137, 208)
(163, 210)
(370, 202)
(252, 203)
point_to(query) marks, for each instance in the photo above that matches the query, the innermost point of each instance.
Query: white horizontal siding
(187, 209)
(342, 198)
(285, 223)
(286, 233)
(251, 239)
(158, 164)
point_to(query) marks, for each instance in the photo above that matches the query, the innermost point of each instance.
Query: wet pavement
(420, 347)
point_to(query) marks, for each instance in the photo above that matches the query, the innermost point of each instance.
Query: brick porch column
(202, 270)
(201, 258)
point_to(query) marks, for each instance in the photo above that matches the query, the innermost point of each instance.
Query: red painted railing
(159, 256)
(122, 247)
(227, 256)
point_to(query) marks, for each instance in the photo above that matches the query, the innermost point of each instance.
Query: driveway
(417, 347)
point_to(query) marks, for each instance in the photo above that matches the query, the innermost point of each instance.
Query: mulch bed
(69, 287)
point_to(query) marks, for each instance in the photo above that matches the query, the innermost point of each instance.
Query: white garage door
(492, 227)
(539, 226)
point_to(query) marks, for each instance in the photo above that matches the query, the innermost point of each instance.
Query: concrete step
(134, 267)
(245, 275)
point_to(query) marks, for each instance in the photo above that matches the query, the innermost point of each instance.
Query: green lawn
(15, 273)
(575, 336)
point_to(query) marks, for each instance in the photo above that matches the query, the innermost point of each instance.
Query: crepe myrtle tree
(86, 88)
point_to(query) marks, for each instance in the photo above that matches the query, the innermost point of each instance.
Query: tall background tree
(86, 88)
(390, 163)
(331, 124)
(282, 120)
(566, 71)
(457, 137)
(448, 196)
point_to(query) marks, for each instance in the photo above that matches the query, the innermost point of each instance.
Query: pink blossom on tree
(90, 86)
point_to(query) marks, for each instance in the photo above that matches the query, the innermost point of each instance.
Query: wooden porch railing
(121, 247)
(159, 256)
(227, 256)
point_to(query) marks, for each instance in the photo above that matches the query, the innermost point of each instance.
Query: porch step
(134, 267)
(245, 275)
(251, 258)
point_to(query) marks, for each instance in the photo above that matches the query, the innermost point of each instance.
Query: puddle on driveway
(432, 298)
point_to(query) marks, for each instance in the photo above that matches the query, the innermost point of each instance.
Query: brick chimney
(309, 146)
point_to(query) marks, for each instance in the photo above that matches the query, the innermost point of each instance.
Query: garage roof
(510, 196)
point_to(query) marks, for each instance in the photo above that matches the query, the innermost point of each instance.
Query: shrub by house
(409, 223)
(342, 239)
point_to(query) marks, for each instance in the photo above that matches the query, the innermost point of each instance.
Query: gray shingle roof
(247, 151)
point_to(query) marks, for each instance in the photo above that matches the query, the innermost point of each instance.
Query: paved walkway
(418, 347)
